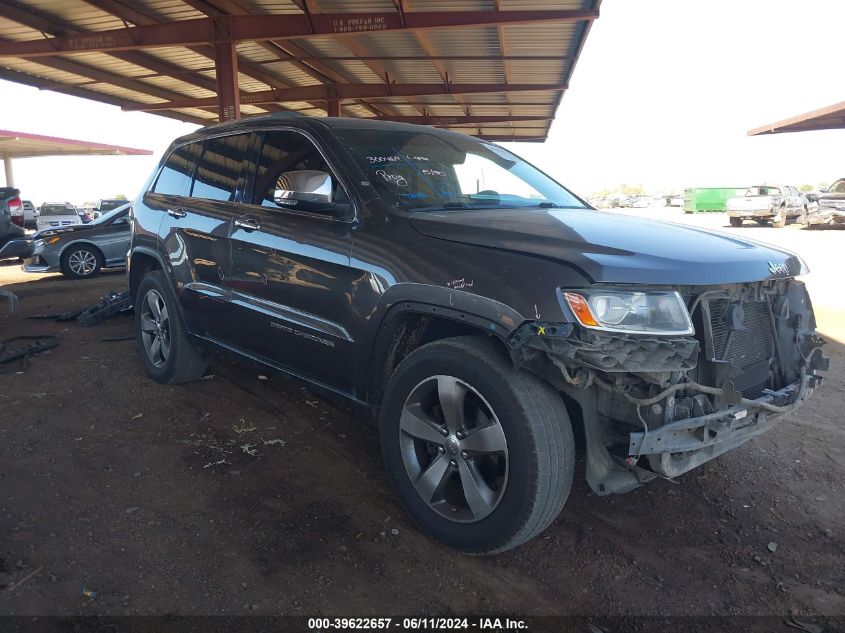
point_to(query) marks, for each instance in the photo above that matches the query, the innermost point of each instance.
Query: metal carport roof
(24, 145)
(493, 68)
(829, 118)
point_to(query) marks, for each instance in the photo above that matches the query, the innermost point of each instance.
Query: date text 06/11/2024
(416, 624)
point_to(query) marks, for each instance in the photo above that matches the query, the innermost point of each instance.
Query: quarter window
(175, 176)
(220, 167)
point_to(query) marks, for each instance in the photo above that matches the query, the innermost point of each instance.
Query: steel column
(226, 71)
(333, 108)
(10, 176)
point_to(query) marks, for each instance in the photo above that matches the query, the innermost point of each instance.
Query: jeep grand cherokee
(471, 306)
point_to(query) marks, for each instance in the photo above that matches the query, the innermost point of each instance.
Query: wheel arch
(403, 326)
(141, 261)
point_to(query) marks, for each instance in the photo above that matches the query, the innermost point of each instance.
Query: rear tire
(736, 221)
(81, 262)
(492, 471)
(163, 343)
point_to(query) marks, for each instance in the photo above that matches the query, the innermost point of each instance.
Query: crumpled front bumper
(680, 446)
(44, 259)
(826, 216)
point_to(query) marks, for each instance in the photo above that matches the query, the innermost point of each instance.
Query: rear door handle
(248, 223)
(178, 212)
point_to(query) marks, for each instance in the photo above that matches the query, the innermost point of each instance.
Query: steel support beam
(41, 83)
(10, 175)
(226, 72)
(460, 119)
(48, 26)
(333, 108)
(498, 138)
(338, 92)
(242, 28)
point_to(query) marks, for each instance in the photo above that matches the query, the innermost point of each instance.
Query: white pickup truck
(767, 203)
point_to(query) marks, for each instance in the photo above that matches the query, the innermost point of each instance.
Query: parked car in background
(107, 204)
(30, 215)
(81, 251)
(13, 241)
(828, 207)
(57, 214)
(767, 204)
(445, 288)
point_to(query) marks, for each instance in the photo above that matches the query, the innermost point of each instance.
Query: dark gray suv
(472, 307)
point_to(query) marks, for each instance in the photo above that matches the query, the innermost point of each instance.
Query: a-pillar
(226, 71)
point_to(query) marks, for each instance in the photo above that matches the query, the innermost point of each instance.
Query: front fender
(484, 314)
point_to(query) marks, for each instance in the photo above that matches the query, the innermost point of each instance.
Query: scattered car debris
(12, 298)
(31, 574)
(110, 305)
(804, 626)
(772, 547)
(57, 316)
(36, 345)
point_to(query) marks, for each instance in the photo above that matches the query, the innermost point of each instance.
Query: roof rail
(286, 114)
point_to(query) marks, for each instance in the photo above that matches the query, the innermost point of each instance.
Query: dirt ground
(122, 496)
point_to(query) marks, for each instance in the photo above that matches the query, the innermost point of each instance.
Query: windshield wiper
(452, 204)
(555, 205)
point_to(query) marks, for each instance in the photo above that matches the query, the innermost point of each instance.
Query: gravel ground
(242, 495)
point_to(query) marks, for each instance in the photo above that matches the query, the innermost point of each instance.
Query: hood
(612, 248)
(71, 228)
(834, 199)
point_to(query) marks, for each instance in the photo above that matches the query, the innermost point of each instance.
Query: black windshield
(418, 171)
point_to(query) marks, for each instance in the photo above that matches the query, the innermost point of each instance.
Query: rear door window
(220, 168)
(175, 176)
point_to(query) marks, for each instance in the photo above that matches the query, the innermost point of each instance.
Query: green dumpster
(709, 198)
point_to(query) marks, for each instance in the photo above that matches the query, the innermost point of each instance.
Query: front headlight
(653, 312)
(38, 243)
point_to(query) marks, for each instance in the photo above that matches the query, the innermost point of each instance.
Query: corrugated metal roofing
(23, 145)
(383, 47)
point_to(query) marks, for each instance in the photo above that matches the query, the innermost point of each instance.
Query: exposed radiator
(751, 349)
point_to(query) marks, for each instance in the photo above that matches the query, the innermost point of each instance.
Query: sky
(662, 96)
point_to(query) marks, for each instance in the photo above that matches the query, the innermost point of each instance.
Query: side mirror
(811, 197)
(305, 185)
(307, 190)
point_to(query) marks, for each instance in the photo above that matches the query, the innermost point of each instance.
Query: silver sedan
(82, 251)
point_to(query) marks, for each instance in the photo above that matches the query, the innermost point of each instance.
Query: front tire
(166, 351)
(81, 262)
(481, 454)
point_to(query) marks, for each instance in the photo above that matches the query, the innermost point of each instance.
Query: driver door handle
(248, 223)
(178, 212)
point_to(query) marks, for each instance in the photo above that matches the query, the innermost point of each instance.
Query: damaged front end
(660, 405)
(830, 214)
